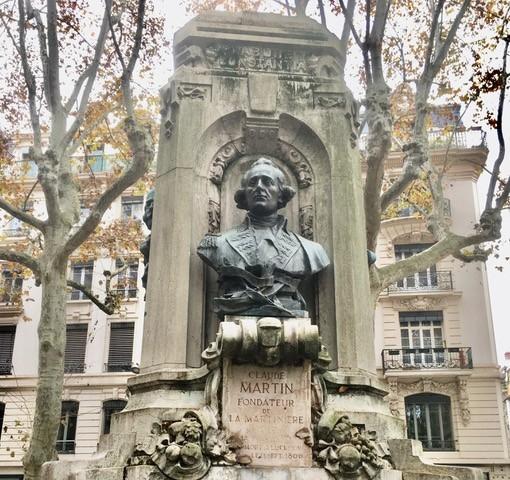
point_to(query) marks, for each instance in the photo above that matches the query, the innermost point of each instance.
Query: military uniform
(260, 267)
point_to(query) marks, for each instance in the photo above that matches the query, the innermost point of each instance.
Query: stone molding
(456, 389)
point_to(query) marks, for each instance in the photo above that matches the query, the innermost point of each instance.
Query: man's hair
(286, 191)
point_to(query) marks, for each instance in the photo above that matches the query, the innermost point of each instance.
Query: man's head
(263, 189)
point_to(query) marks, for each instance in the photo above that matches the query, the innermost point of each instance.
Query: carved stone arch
(405, 230)
(456, 390)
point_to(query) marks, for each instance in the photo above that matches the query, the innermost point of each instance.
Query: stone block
(258, 400)
(407, 456)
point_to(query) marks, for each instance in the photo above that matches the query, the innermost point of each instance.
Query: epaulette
(209, 241)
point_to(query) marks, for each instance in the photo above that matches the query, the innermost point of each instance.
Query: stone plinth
(269, 408)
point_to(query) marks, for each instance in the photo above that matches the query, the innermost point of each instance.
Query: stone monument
(258, 351)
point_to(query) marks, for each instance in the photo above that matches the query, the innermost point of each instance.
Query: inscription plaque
(269, 408)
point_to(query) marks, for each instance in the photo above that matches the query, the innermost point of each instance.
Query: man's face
(262, 191)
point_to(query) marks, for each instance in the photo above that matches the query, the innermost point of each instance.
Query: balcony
(425, 281)
(406, 359)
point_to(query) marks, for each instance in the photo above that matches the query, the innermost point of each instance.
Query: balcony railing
(459, 138)
(424, 281)
(5, 368)
(126, 293)
(74, 367)
(118, 367)
(65, 446)
(405, 359)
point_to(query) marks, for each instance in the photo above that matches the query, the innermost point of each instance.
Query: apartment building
(434, 335)
(102, 351)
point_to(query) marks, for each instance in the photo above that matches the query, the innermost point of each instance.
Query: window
(2, 413)
(76, 343)
(67, 429)
(7, 335)
(132, 207)
(109, 408)
(127, 280)
(429, 419)
(422, 330)
(12, 284)
(81, 273)
(120, 353)
(423, 279)
(28, 167)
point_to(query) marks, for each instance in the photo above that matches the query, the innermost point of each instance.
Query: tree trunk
(52, 339)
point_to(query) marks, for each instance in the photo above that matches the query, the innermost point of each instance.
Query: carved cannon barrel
(268, 340)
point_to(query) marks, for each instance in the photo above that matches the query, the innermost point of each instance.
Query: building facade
(434, 338)
(102, 350)
(434, 335)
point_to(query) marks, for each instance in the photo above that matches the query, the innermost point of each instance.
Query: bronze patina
(260, 262)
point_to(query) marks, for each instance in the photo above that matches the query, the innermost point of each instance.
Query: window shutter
(7, 335)
(76, 344)
(121, 347)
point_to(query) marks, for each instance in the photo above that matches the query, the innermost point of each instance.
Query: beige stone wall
(479, 430)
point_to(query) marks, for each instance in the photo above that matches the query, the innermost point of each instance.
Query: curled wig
(286, 191)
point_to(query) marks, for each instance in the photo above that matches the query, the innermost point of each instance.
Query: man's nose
(259, 183)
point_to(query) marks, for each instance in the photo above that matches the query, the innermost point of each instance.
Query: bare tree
(432, 57)
(64, 122)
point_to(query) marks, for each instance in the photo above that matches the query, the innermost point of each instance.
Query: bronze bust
(260, 262)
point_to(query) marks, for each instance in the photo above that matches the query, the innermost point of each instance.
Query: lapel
(287, 245)
(242, 240)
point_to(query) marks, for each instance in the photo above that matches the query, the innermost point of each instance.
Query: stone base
(270, 473)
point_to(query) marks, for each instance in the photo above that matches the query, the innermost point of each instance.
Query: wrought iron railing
(424, 281)
(426, 358)
(5, 368)
(439, 139)
(65, 446)
(126, 293)
(74, 367)
(118, 367)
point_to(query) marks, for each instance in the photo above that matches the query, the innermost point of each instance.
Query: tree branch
(43, 47)
(432, 35)
(449, 245)
(143, 153)
(105, 307)
(90, 79)
(501, 138)
(22, 215)
(445, 47)
(128, 70)
(28, 76)
(22, 258)
(55, 100)
(349, 14)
